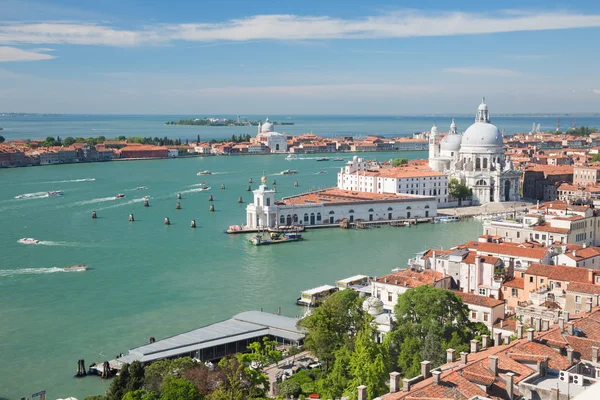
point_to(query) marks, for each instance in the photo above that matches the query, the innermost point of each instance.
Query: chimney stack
(497, 338)
(545, 325)
(537, 324)
(509, 381)
(484, 341)
(570, 355)
(570, 328)
(464, 357)
(595, 354)
(494, 364)
(567, 315)
(530, 334)
(437, 377)
(474, 346)
(425, 369)
(561, 323)
(588, 306)
(405, 385)
(362, 392)
(394, 382)
(450, 355)
(519, 331)
(591, 275)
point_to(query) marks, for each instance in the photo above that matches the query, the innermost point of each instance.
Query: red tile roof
(411, 279)
(560, 272)
(518, 283)
(478, 300)
(505, 248)
(580, 287)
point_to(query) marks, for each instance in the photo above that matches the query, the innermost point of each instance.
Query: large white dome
(482, 134)
(451, 142)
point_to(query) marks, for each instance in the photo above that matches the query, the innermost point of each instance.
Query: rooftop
(337, 196)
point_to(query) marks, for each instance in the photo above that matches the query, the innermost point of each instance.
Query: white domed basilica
(476, 158)
(275, 141)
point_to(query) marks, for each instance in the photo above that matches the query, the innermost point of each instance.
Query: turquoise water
(327, 126)
(148, 279)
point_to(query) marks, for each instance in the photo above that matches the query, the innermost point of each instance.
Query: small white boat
(289, 172)
(446, 219)
(119, 196)
(55, 193)
(89, 179)
(75, 268)
(146, 197)
(207, 172)
(141, 188)
(29, 241)
(291, 157)
(321, 172)
(338, 159)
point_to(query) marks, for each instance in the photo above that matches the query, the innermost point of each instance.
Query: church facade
(476, 159)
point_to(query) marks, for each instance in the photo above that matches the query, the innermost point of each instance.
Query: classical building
(476, 158)
(275, 141)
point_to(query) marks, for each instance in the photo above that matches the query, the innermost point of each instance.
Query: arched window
(331, 212)
(277, 147)
(289, 220)
(295, 217)
(370, 210)
(409, 208)
(318, 216)
(351, 212)
(390, 209)
(434, 192)
(412, 192)
(282, 219)
(427, 206)
(485, 163)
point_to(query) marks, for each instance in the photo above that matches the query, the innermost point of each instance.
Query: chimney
(493, 364)
(497, 338)
(362, 392)
(530, 334)
(570, 355)
(464, 357)
(591, 275)
(561, 323)
(425, 369)
(394, 381)
(537, 324)
(595, 354)
(437, 377)
(484, 341)
(474, 346)
(509, 379)
(450, 355)
(574, 253)
(519, 331)
(570, 328)
(545, 325)
(405, 385)
(566, 314)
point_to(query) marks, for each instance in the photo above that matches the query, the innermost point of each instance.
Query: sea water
(148, 279)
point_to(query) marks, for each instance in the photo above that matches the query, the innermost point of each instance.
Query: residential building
(483, 309)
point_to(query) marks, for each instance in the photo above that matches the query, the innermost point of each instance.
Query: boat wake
(29, 271)
(195, 190)
(120, 204)
(94, 201)
(73, 180)
(51, 243)
(36, 195)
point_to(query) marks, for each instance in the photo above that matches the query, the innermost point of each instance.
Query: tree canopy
(596, 158)
(458, 190)
(396, 162)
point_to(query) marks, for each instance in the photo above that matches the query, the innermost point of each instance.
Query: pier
(350, 225)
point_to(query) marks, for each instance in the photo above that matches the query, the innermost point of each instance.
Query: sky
(298, 57)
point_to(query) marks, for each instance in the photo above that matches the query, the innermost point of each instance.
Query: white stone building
(331, 206)
(275, 141)
(476, 158)
(358, 175)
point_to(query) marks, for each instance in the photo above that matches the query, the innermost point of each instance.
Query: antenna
(558, 124)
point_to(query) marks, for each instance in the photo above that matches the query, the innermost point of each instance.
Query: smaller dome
(451, 142)
(373, 306)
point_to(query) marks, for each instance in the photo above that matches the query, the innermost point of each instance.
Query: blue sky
(298, 57)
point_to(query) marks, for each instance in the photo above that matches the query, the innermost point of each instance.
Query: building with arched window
(276, 142)
(476, 159)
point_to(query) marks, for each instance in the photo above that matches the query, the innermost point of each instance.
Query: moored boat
(338, 159)
(274, 238)
(28, 241)
(75, 268)
(141, 188)
(321, 172)
(446, 219)
(314, 297)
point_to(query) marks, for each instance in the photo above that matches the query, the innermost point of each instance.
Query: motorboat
(141, 188)
(289, 172)
(29, 241)
(75, 268)
(207, 172)
(321, 172)
(323, 159)
(275, 238)
(55, 193)
(205, 188)
(119, 196)
(446, 219)
(89, 179)
(338, 159)
(291, 157)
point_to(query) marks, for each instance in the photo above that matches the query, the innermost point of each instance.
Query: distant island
(220, 122)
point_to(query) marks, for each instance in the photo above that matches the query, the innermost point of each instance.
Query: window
(305, 217)
(282, 219)
(482, 291)
(473, 314)
(531, 279)
(486, 317)
(542, 281)
(318, 216)
(514, 292)
(577, 299)
(390, 297)
(268, 201)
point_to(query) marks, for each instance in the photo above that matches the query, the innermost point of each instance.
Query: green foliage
(68, 141)
(2, 139)
(596, 158)
(176, 388)
(235, 384)
(289, 388)
(333, 325)
(396, 162)
(50, 141)
(140, 394)
(118, 386)
(95, 398)
(136, 377)
(458, 190)
(156, 372)
(261, 355)
(582, 131)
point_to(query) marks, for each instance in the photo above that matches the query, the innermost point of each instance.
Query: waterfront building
(413, 179)
(331, 206)
(476, 159)
(550, 223)
(409, 144)
(275, 141)
(143, 151)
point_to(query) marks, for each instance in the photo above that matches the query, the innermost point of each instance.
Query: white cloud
(294, 27)
(482, 71)
(13, 54)
(596, 91)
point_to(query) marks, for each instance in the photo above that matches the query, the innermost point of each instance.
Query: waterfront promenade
(487, 209)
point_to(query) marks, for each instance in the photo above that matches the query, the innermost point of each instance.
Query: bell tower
(434, 144)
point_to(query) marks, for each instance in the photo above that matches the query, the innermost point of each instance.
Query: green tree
(68, 141)
(176, 388)
(2, 139)
(596, 158)
(289, 389)
(95, 397)
(118, 386)
(261, 354)
(432, 348)
(458, 190)
(140, 394)
(156, 372)
(50, 141)
(235, 383)
(396, 162)
(333, 324)
(336, 380)
(136, 377)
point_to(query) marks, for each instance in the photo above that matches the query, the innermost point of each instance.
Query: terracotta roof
(582, 253)
(478, 300)
(411, 279)
(560, 272)
(508, 249)
(550, 229)
(404, 172)
(535, 351)
(335, 195)
(518, 283)
(471, 256)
